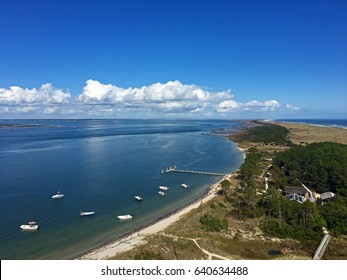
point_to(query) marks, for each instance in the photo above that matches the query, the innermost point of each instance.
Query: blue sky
(186, 59)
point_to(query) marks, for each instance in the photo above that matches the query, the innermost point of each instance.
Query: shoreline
(297, 132)
(137, 237)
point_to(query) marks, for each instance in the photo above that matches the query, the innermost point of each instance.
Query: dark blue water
(100, 165)
(321, 122)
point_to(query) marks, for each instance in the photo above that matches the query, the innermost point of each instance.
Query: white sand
(138, 237)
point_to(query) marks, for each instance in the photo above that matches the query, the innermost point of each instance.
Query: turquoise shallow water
(100, 165)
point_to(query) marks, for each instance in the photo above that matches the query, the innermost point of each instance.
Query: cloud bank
(172, 97)
(46, 94)
(98, 99)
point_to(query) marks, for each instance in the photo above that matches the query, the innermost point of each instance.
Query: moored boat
(138, 198)
(83, 213)
(30, 226)
(185, 186)
(125, 217)
(164, 188)
(161, 193)
(58, 195)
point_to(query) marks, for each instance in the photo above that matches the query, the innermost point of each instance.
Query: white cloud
(71, 112)
(50, 110)
(250, 106)
(46, 94)
(170, 97)
(107, 100)
(258, 106)
(291, 107)
(228, 106)
(5, 110)
(26, 109)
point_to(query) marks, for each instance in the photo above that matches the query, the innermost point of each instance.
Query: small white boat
(30, 226)
(138, 198)
(58, 195)
(164, 188)
(161, 193)
(125, 217)
(185, 186)
(82, 213)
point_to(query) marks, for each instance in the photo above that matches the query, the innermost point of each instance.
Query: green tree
(286, 218)
(335, 215)
(320, 166)
(225, 184)
(247, 200)
(271, 203)
(251, 165)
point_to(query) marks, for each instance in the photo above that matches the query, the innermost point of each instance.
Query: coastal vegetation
(251, 166)
(210, 223)
(225, 184)
(286, 218)
(265, 133)
(322, 166)
(335, 215)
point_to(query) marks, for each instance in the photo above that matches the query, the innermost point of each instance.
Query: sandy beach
(130, 241)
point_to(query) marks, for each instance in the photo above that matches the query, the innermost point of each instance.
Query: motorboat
(161, 193)
(30, 226)
(82, 213)
(185, 186)
(138, 198)
(125, 217)
(58, 195)
(164, 188)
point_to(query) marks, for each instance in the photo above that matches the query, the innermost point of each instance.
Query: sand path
(195, 240)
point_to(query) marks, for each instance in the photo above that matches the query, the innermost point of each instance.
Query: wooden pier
(174, 169)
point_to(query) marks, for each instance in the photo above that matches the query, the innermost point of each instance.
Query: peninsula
(239, 217)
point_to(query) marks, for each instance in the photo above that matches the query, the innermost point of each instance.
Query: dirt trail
(195, 240)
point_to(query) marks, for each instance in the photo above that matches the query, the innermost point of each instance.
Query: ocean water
(321, 122)
(100, 165)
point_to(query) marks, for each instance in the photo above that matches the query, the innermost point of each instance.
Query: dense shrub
(268, 133)
(335, 215)
(251, 165)
(213, 224)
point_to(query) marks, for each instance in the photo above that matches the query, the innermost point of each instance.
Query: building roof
(297, 190)
(326, 195)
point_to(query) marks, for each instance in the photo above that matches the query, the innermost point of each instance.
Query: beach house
(300, 194)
